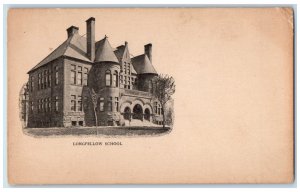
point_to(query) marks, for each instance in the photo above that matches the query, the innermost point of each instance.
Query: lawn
(99, 131)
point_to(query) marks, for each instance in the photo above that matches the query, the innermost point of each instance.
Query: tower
(106, 71)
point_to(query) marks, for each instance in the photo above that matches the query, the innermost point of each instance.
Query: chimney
(148, 51)
(90, 35)
(72, 30)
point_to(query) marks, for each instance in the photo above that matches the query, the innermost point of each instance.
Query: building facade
(84, 82)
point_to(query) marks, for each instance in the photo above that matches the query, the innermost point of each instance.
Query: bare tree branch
(164, 88)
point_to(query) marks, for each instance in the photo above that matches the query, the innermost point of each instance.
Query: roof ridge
(139, 55)
(75, 41)
(68, 43)
(37, 65)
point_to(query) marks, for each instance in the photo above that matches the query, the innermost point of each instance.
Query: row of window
(112, 79)
(79, 75)
(127, 81)
(44, 79)
(75, 103)
(44, 105)
(109, 102)
(158, 122)
(126, 68)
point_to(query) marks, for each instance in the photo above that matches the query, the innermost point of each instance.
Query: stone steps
(136, 122)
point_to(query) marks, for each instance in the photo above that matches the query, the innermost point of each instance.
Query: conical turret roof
(142, 65)
(104, 52)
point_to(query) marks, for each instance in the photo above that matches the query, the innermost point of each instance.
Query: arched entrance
(147, 114)
(137, 112)
(126, 114)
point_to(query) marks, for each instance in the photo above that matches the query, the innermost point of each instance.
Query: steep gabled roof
(142, 65)
(119, 52)
(74, 46)
(104, 51)
(133, 70)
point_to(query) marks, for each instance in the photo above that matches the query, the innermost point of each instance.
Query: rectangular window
(31, 83)
(45, 105)
(73, 67)
(79, 103)
(79, 68)
(73, 102)
(114, 80)
(101, 104)
(31, 106)
(128, 83)
(56, 75)
(155, 107)
(109, 104)
(107, 79)
(49, 78)
(121, 79)
(85, 76)
(42, 105)
(42, 84)
(116, 103)
(159, 109)
(46, 78)
(73, 77)
(128, 68)
(49, 104)
(79, 78)
(39, 105)
(39, 81)
(85, 79)
(150, 87)
(56, 104)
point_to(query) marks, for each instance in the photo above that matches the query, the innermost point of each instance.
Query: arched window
(158, 108)
(107, 78)
(115, 79)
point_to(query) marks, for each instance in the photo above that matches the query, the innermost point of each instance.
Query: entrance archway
(126, 114)
(147, 114)
(137, 112)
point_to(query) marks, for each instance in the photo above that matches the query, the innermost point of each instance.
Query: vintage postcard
(150, 95)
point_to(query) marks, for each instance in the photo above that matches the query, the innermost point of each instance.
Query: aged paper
(233, 104)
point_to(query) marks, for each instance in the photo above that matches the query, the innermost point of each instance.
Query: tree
(163, 89)
(94, 101)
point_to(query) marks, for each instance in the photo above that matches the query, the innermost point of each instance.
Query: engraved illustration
(87, 87)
